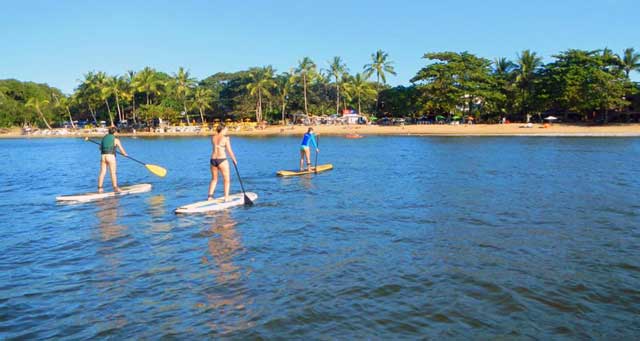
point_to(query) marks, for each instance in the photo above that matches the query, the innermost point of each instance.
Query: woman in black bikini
(221, 145)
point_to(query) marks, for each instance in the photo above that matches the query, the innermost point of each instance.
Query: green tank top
(108, 145)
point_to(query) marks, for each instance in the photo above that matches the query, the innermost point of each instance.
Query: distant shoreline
(556, 130)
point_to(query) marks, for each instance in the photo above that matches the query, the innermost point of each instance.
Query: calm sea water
(407, 237)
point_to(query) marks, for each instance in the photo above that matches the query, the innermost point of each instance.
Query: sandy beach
(364, 130)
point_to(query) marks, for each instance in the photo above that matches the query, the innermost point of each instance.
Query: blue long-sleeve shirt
(309, 138)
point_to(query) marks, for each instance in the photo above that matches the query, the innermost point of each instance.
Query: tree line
(577, 85)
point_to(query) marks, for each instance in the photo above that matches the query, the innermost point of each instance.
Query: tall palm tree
(63, 104)
(202, 99)
(306, 70)
(503, 67)
(129, 92)
(528, 63)
(359, 87)
(115, 86)
(88, 94)
(147, 81)
(183, 84)
(337, 68)
(37, 105)
(380, 66)
(102, 86)
(630, 61)
(283, 85)
(260, 86)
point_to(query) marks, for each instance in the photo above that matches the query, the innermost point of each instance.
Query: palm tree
(147, 81)
(87, 93)
(306, 69)
(630, 61)
(202, 99)
(129, 91)
(359, 87)
(380, 66)
(37, 104)
(283, 85)
(503, 67)
(115, 86)
(337, 68)
(528, 64)
(102, 84)
(183, 84)
(63, 104)
(260, 85)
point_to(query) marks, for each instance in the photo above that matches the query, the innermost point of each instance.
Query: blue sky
(56, 42)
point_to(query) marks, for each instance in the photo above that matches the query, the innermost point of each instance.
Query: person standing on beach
(308, 139)
(108, 159)
(221, 144)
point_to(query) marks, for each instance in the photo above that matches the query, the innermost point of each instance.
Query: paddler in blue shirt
(308, 139)
(108, 158)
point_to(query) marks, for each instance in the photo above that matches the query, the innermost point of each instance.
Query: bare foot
(226, 199)
(100, 190)
(209, 198)
(117, 189)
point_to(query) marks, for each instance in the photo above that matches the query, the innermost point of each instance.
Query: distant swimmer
(221, 144)
(308, 139)
(108, 159)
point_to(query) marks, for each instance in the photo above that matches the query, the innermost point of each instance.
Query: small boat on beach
(353, 136)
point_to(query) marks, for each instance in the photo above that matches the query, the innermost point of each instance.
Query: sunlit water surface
(407, 237)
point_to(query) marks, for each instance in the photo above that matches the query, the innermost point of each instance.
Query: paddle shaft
(247, 201)
(317, 147)
(127, 156)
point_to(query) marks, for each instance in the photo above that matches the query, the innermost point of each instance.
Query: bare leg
(213, 182)
(103, 172)
(114, 176)
(224, 169)
(307, 153)
(302, 153)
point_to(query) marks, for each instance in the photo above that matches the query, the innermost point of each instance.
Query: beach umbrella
(550, 118)
(440, 117)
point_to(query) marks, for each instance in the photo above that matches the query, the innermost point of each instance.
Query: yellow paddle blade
(157, 170)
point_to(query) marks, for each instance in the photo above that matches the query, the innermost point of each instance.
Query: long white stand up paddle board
(86, 197)
(216, 204)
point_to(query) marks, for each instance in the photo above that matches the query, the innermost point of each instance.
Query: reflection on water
(228, 306)
(107, 214)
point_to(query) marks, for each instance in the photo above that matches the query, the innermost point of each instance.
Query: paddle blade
(247, 201)
(157, 170)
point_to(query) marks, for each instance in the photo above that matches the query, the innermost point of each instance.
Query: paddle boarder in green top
(108, 158)
(308, 139)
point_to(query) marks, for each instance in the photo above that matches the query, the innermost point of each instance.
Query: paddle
(247, 201)
(317, 145)
(155, 169)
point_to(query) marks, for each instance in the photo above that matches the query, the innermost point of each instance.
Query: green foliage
(587, 83)
(458, 83)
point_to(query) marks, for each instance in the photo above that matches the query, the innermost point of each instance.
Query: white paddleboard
(86, 197)
(216, 204)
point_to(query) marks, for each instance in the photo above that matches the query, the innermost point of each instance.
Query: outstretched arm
(119, 145)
